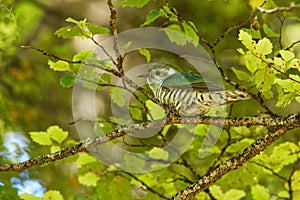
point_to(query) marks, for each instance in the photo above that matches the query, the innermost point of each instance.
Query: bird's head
(157, 74)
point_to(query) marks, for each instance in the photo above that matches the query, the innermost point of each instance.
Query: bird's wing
(186, 80)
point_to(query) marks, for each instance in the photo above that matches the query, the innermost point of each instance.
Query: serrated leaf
(286, 55)
(269, 32)
(145, 53)
(241, 75)
(175, 35)
(158, 153)
(41, 138)
(189, 31)
(70, 32)
(117, 96)
(67, 81)
(254, 33)
(57, 134)
(53, 194)
(134, 3)
(282, 155)
(264, 46)
(97, 29)
(234, 194)
(84, 159)
(29, 197)
(59, 65)
(89, 179)
(246, 40)
(259, 192)
(152, 16)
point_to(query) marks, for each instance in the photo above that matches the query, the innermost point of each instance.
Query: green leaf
(67, 81)
(145, 53)
(136, 113)
(241, 75)
(216, 191)
(57, 134)
(29, 197)
(59, 65)
(286, 55)
(154, 110)
(254, 33)
(83, 159)
(190, 32)
(296, 180)
(264, 79)
(53, 194)
(158, 153)
(293, 71)
(134, 3)
(246, 40)
(234, 194)
(295, 63)
(102, 127)
(105, 78)
(269, 32)
(97, 29)
(175, 35)
(282, 155)
(132, 161)
(85, 56)
(70, 32)
(259, 192)
(41, 138)
(55, 148)
(283, 194)
(71, 20)
(253, 63)
(89, 179)
(285, 99)
(117, 96)
(152, 16)
(264, 46)
(289, 85)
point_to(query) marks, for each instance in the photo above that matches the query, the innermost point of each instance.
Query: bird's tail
(228, 96)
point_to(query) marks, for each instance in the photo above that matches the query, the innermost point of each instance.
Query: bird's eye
(157, 73)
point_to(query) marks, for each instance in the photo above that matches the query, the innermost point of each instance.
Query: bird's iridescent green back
(186, 80)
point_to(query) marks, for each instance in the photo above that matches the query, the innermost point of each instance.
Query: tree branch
(235, 162)
(281, 124)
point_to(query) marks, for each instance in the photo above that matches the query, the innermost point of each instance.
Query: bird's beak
(143, 75)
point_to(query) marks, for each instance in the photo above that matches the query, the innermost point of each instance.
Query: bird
(188, 92)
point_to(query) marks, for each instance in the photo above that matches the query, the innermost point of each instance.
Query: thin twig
(279, 9)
